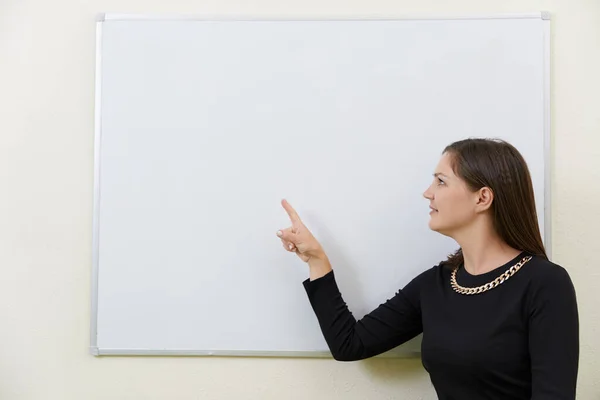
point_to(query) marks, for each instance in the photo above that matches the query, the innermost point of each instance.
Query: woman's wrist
(319, 265)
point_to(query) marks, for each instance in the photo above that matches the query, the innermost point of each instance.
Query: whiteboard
(203, 126)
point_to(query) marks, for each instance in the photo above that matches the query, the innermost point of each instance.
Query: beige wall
(46, 156)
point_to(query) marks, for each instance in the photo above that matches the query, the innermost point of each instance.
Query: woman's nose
(427, 194)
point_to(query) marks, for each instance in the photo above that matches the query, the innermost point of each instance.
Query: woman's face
(452, 204)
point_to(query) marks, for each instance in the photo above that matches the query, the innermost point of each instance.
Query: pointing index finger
(290, 210)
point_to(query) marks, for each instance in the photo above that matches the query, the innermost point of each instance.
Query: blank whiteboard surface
(203, 126)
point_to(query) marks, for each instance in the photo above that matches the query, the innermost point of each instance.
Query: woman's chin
(433, 226)
(436, 227)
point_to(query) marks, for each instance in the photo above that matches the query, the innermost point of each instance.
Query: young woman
(499, 320)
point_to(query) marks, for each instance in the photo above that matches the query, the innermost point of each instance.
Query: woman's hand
(298, 239)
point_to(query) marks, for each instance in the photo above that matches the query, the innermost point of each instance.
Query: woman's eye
(440, 182)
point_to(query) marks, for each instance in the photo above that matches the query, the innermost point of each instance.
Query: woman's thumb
(287, 235)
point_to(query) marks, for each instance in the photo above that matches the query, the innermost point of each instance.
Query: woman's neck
(483, 251)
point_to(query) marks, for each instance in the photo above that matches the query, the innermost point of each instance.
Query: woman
(499, 320)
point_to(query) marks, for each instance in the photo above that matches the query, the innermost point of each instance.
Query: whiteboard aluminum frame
(544, 15)
(96, 351)
(547, 138)
(96, 202)
(234, 353)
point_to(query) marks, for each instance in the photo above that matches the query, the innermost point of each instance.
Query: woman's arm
(554, 337)
(391, 324)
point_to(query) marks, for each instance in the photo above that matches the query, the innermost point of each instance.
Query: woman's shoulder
(432, 275)
(546, 275)
(543, 268)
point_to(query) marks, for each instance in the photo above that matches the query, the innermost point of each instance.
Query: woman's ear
(485, 198)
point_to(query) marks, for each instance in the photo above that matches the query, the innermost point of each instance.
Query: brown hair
(498, 165)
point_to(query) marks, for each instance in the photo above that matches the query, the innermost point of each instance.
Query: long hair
(498, 165)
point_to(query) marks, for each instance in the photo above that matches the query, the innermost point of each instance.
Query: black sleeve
(554, 337)
(389, 325)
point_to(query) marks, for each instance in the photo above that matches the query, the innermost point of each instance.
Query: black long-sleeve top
(519, 340)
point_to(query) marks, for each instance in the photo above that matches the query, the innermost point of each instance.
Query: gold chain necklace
(484, 288)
